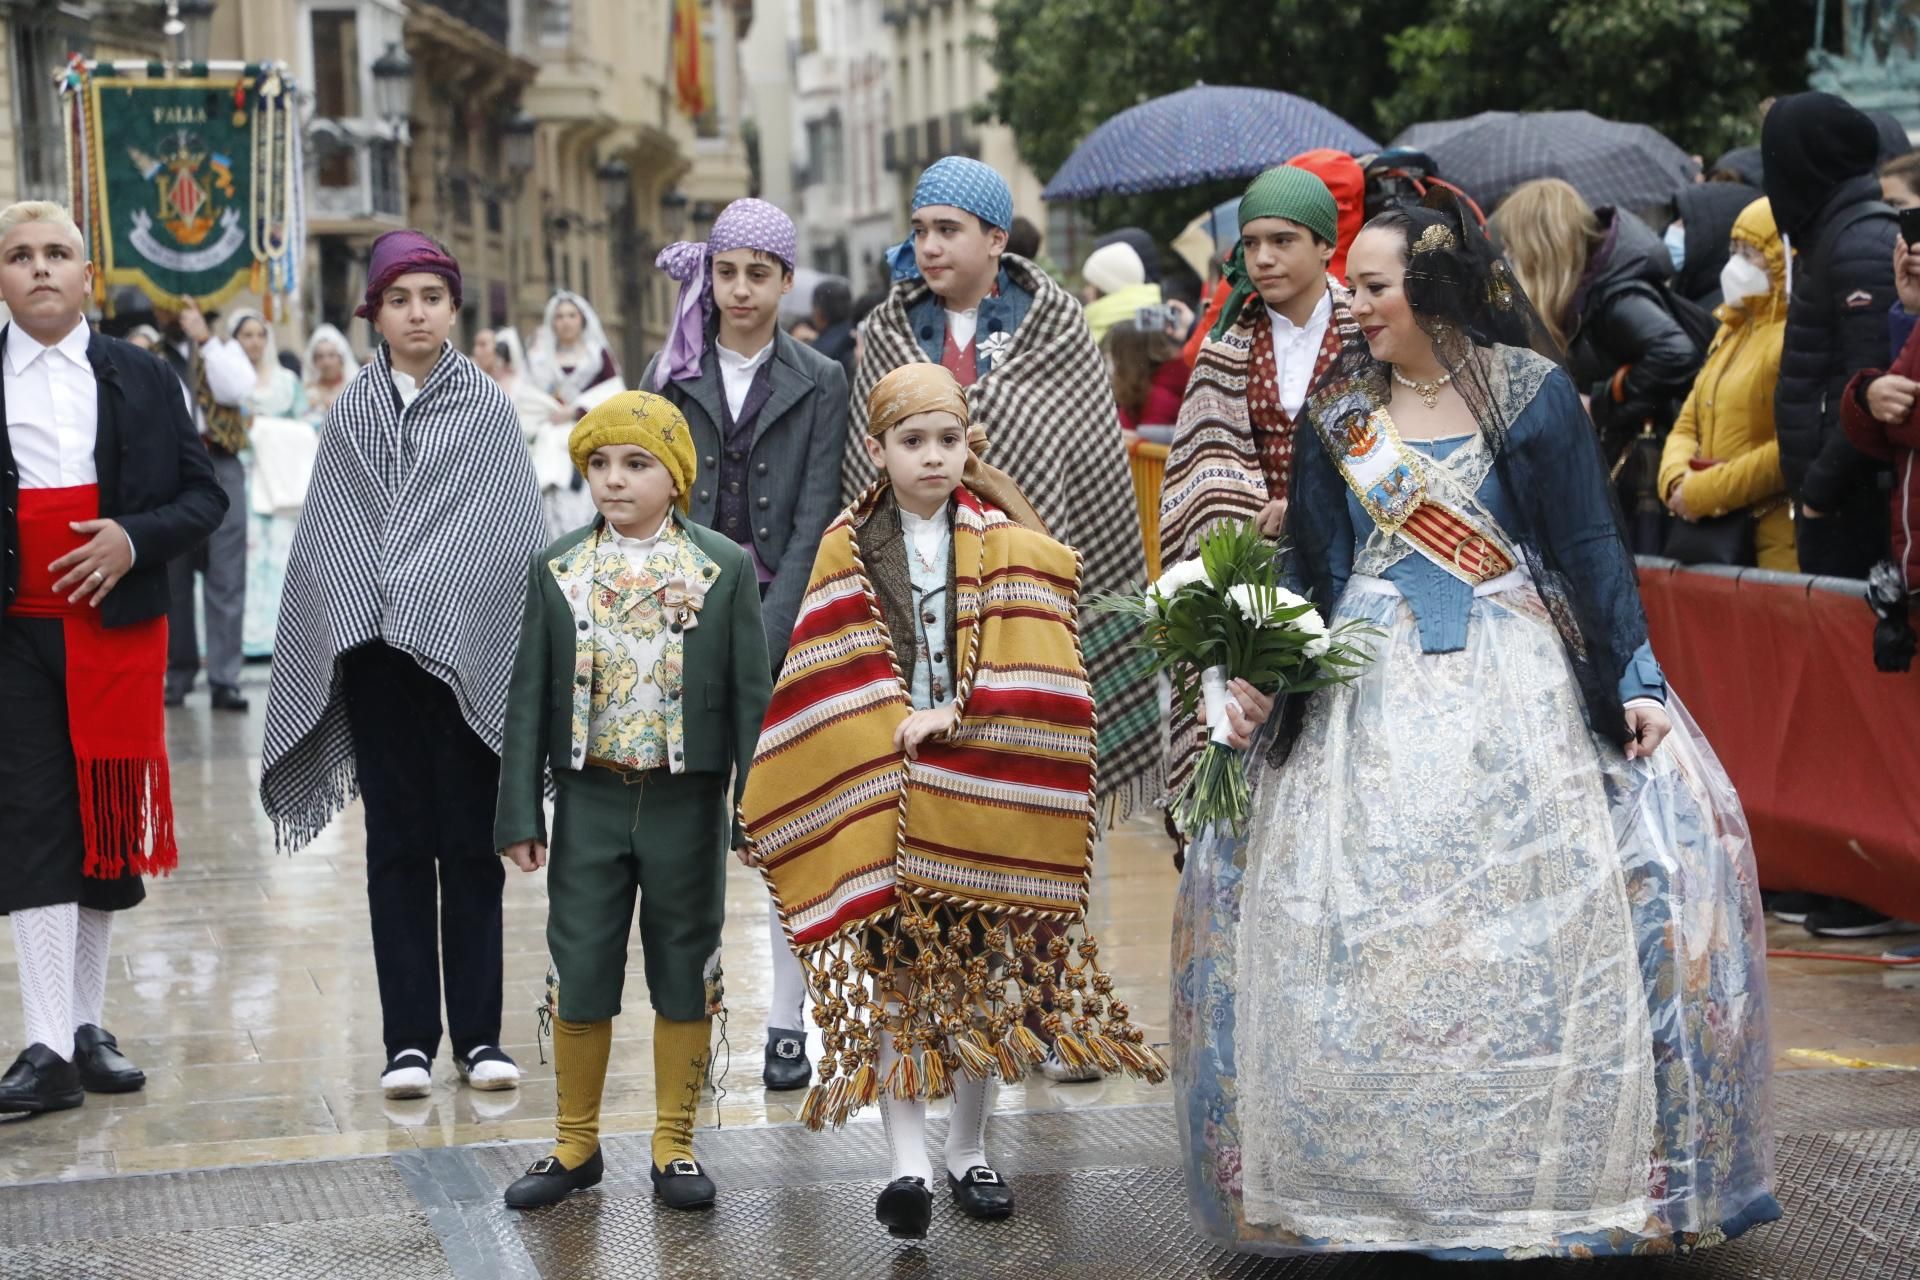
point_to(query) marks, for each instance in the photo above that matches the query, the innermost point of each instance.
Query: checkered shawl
(1047, 407)
(417, 531)
(1213, 466)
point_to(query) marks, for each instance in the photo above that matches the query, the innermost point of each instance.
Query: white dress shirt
(1296, 349)
(404, 384)
(52, 408)
(638, 550)
(736, 373)
(963, 325)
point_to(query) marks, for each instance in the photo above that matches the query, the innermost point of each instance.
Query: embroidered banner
(186, 187)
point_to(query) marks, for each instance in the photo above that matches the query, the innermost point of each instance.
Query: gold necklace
(1429, 392)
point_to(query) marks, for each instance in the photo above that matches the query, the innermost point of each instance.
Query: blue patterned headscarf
(963, 184)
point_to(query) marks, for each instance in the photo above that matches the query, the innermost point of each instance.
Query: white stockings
(906, 1123)
(62, 953)
(788, 1009)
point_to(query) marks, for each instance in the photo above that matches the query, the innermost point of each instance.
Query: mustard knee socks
(680, 1052)
(580, 1052)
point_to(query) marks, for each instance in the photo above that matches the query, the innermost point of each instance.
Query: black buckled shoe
(547, 1181)
(40, 1080)
(787, 1066)
(982, 1193)
(905, 1208)
(103, 1068)
(683, 1185)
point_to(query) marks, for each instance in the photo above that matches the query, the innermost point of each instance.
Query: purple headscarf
(399, 252)
(744, 224)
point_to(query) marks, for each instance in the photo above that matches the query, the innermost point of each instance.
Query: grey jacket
(793, 468)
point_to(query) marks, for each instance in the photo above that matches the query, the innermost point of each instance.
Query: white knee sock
(967, 1122)
(906, 1124)
(788, 1008)
(92, 939)
(43, 938)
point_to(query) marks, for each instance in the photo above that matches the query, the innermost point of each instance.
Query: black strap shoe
(683, 1185)
(982, 1193)
(547, 1181)
(787, 1066)
(103, 1068)
(905, 1208)
(40, 1080)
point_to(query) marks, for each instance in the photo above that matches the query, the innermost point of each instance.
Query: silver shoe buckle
(683, 1168)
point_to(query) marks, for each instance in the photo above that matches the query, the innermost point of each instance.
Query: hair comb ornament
(1436, 238)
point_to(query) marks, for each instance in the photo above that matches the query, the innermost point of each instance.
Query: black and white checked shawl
(1047, 407)
(417, 531)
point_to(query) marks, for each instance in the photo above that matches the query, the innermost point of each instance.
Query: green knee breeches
(662, 839)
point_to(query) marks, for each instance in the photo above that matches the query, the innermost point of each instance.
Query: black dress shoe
(547, 1181)
(982, 1193)
(905, 1207)
(174, 698)
(40, 1080)
(683, 1185)
(103, 1069)
(225, 699)
(787, 1066)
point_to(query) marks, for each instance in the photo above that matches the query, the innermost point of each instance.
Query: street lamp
(518, 145)
(189, 25)
(673, 214)
(616, 186)
(393, 84)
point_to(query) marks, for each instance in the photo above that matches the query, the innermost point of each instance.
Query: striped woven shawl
(1213, 470)
(1047, 406)
(982, 845)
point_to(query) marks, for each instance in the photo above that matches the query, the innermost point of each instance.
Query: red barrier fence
(1825, 750)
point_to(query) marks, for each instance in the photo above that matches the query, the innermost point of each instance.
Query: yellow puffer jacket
(1728, 418)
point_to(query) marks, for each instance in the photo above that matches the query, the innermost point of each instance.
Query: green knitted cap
(1297, 196)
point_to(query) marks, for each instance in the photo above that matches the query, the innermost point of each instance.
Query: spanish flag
(692, 72)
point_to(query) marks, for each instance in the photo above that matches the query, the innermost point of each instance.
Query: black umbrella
(1626, 165)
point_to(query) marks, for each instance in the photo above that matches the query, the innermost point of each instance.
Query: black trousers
(1848, 542)
(42, 849)
(429, 785)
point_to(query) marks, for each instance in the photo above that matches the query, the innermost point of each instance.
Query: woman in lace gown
(280, 455)
(1485, 977)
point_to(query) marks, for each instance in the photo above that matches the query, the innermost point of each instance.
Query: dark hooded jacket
(1744, 161)
(1633, 359)
(1709, 210)
(1820, 158)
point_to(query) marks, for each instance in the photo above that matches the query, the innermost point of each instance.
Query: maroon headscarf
(397, 253)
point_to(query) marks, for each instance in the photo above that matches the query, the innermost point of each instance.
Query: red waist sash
(115, 715)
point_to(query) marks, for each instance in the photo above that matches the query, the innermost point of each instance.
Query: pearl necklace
(1429, 392)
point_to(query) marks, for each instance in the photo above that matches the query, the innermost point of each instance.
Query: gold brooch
(1438, 236)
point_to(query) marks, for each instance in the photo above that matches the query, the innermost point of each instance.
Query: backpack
(1698, 322)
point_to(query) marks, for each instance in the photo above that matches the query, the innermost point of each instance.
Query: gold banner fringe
(953, 987)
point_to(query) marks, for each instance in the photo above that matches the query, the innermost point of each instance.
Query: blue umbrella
(1199, 135)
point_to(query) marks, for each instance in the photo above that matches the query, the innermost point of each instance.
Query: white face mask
(1740, 280)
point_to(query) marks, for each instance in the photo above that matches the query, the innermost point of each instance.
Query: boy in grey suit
(769, 423)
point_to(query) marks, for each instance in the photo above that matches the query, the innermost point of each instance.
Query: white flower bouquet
(1224, 616)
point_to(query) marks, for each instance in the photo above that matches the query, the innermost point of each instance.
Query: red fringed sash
(115, 713)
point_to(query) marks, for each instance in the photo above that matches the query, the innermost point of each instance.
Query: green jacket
(725, 679)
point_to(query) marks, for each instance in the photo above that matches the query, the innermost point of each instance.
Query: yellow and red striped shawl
(983, 844)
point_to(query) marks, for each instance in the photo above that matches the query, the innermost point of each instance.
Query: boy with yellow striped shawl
(922, 800)
(622, 618)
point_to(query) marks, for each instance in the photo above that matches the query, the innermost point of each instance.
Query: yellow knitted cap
(639, 418)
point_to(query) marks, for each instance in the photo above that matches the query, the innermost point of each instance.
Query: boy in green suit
(640, 682)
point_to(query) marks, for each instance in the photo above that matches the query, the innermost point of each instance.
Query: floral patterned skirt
(1473, 985)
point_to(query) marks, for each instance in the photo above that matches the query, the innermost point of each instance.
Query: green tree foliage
(1694, 69)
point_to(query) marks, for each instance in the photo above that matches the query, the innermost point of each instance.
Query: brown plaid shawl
(1213, 466)
(1047, 406)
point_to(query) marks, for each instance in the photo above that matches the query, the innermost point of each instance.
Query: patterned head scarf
(962, 184)
(639, 418)
(922, 387)
(744, 224)
(1285, 192)
(399, 253)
